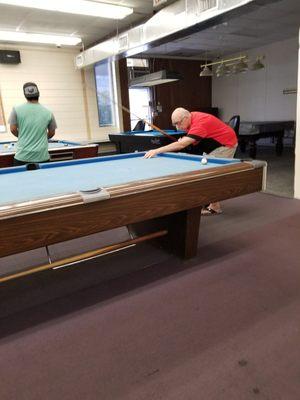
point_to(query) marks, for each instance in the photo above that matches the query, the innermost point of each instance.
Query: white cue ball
(204, 161)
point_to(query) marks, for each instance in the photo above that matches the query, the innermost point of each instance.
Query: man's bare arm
(14, 129)
(51, 133)
(181, 144)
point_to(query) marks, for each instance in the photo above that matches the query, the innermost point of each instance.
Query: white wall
(257, 95)
(297, 149)
(69, 93)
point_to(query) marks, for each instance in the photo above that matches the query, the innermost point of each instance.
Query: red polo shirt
(206, 126)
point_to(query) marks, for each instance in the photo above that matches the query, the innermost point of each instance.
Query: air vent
(200, 6)
(123, 43)
(204, 5)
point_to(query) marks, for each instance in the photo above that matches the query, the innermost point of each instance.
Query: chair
(140, 126)
(234, 122)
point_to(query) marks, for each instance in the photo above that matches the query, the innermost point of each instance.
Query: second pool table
(131, 141)
(59, 150)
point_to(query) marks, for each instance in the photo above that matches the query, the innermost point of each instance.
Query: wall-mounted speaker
(10, 57)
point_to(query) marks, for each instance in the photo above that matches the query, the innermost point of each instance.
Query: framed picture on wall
(2, 117)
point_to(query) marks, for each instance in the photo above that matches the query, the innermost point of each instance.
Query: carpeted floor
(224, 325)
(280, 177)
(280, 174)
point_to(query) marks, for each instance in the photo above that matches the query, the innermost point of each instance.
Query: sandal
(209, 211)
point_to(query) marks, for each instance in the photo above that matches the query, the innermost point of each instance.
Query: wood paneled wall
(192, 92)
(124, 92)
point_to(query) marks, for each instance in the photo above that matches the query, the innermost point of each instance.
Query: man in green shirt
(33, 124)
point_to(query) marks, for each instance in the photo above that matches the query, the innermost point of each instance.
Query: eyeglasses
(178, 122)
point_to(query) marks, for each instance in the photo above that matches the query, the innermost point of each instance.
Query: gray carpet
(225, 325)
(280, 176)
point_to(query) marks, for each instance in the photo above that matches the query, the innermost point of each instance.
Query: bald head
(181, 118)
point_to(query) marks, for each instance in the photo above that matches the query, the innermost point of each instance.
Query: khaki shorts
(223, 152)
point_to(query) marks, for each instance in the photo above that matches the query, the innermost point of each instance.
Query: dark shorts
(204, 146)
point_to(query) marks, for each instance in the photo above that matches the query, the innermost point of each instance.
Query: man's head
(181, 118)
(31, 91)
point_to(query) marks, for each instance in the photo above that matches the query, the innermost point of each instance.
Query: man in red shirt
(206, 132)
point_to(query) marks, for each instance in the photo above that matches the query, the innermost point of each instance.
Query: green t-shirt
(33, 121)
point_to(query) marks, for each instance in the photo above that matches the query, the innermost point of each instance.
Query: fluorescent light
(81, 7)
(38, 38)
(156, 78)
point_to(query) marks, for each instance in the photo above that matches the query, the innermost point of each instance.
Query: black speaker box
(10, 57)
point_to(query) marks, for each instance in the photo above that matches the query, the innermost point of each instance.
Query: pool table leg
(183, 231)
(279, 143)
(252, 148)
(242, 144)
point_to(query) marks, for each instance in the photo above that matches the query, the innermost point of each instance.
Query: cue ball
(204, 161)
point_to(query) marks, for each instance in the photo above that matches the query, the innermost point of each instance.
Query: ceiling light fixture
(241, 66)
(155, 78)
(258, 64)
(206, 71)
(7, 36)
(222, 68)
(80, 7)
(230, 66)
(224, 61)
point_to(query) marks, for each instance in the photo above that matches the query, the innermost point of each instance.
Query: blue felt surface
(51, 145)
(5, 149)
(62, 143)
(18, 184)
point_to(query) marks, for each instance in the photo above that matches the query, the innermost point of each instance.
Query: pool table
(59, 150)
(131, 141)
(251, 131)
(66, 200)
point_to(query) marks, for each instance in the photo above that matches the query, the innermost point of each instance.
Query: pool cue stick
(144, 120)
(148, 123)
(85, 256)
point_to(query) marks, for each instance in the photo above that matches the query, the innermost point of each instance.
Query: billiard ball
(204, 161)
(6, 145)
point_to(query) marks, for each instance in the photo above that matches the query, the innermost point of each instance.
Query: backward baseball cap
(30, 90)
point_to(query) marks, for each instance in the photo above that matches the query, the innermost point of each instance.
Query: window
(2, 119)
(139, 99)
(105, 93)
